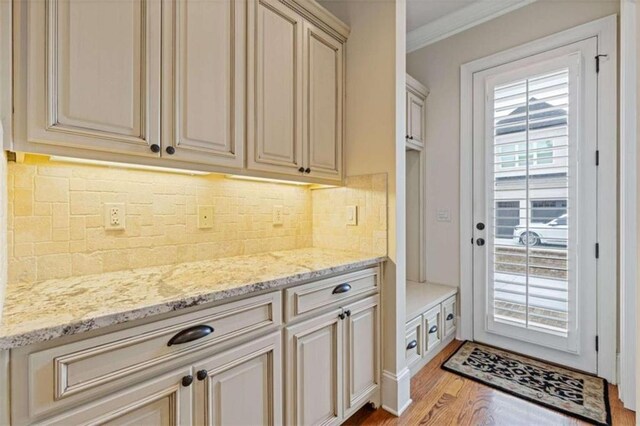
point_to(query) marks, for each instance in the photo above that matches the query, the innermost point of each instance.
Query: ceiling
(421, 12)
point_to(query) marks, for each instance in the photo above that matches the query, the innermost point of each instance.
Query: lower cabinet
(333, 364)
(242, 386)
(160, 401)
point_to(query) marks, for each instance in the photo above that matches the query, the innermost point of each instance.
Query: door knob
(480, 241)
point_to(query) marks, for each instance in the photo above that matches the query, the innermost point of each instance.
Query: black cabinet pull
(480, 226)
(301, 169)
(190, 334)
(341, 315)
(480, 241)
(406, 137)
(187, 380)
(201, 375)
(170, 150)
(411, 137)
(155, 148)
(348, 312)
(307, 170)
(449, 317)
(433, 329)
(342, 288)
(412, 344)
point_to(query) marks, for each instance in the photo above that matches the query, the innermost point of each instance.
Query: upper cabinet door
(275, 88)
(323, 80)
(92, 74)
(416, 120)
(204, 75)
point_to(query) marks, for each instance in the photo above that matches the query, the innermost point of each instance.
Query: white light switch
(278, 218)
(444, 215)
(114, 216)
(205, 217)
(352, 215)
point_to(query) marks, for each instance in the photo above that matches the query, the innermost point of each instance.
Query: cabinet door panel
(275, 88)
(314, 369)
(361, 342)
(160, 401)
(243, 385)
(323, 104)
(415, 111)
(93, 74)
(432, 328)
(205, 47)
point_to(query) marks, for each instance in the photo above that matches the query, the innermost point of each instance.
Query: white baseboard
(396, 391)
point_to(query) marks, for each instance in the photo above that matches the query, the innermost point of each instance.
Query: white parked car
(553, 232)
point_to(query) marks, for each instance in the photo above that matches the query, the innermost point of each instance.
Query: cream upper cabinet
(204, 81)
(242, 386)
(275, 88)
(416, 113)
(322, 124)
(87, 74)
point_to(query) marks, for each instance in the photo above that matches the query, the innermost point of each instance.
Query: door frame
(606, 31)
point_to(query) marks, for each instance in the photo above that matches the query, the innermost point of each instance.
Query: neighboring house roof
(548, 117)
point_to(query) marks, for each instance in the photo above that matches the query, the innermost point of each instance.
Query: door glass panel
(532, 208)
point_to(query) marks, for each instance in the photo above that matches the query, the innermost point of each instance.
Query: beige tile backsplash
(56, 218)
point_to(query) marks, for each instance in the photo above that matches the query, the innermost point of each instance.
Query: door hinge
(597, 157)
(597, 344)
(598, 61)
(597, 250)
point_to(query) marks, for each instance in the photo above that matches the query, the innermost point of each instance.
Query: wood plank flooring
(443, 398)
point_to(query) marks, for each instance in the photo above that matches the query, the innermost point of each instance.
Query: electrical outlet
(352, 215)
(114, 216)
(205, 217)
(278, 218)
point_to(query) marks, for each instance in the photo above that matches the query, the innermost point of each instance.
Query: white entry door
(535, 198)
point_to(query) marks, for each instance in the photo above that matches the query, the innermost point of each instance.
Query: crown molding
(460, 20)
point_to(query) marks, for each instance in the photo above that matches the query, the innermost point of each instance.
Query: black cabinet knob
(301, 169)
(480, 241)
(341, 315)
(411, 137)
(348, 312)
(155, 148)
(201, 375)
(170, 150)
(480, 226)
(407, 137)
(187, 380)
(307, 170)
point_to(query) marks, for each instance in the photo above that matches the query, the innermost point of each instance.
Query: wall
(369, 194)
(438, 67)
(375, 114)
(56, 226)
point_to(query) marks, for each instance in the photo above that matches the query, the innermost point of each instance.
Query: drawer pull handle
(342, 288)
(433, 329)
(449, 317)
(412, 344)
(190, 334)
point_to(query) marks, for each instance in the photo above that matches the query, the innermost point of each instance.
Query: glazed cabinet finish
(88, 74)
(295, 94)
(416, 98)
(333, 364)
(204, 77)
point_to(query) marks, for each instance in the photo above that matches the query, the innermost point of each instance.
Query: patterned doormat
(576, 394)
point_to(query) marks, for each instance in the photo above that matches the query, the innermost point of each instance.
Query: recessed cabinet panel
(413, 341)
(206, 53)
(416, 124)
(314, 371)
(241, 386)
(323, 117)
(361, 341)
(432, 328)
(92, 74)
(449, 315)
(275, 88)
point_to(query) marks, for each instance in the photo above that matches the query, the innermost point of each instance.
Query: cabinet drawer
(413, 341)
(449, 315)
(304, 299)
(432, 331)
(51, 378)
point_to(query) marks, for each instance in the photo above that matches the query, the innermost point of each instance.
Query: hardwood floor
(443, 398)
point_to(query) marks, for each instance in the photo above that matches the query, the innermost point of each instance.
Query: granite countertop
(49, 309)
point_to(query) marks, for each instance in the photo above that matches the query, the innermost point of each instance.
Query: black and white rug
(576, 394)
